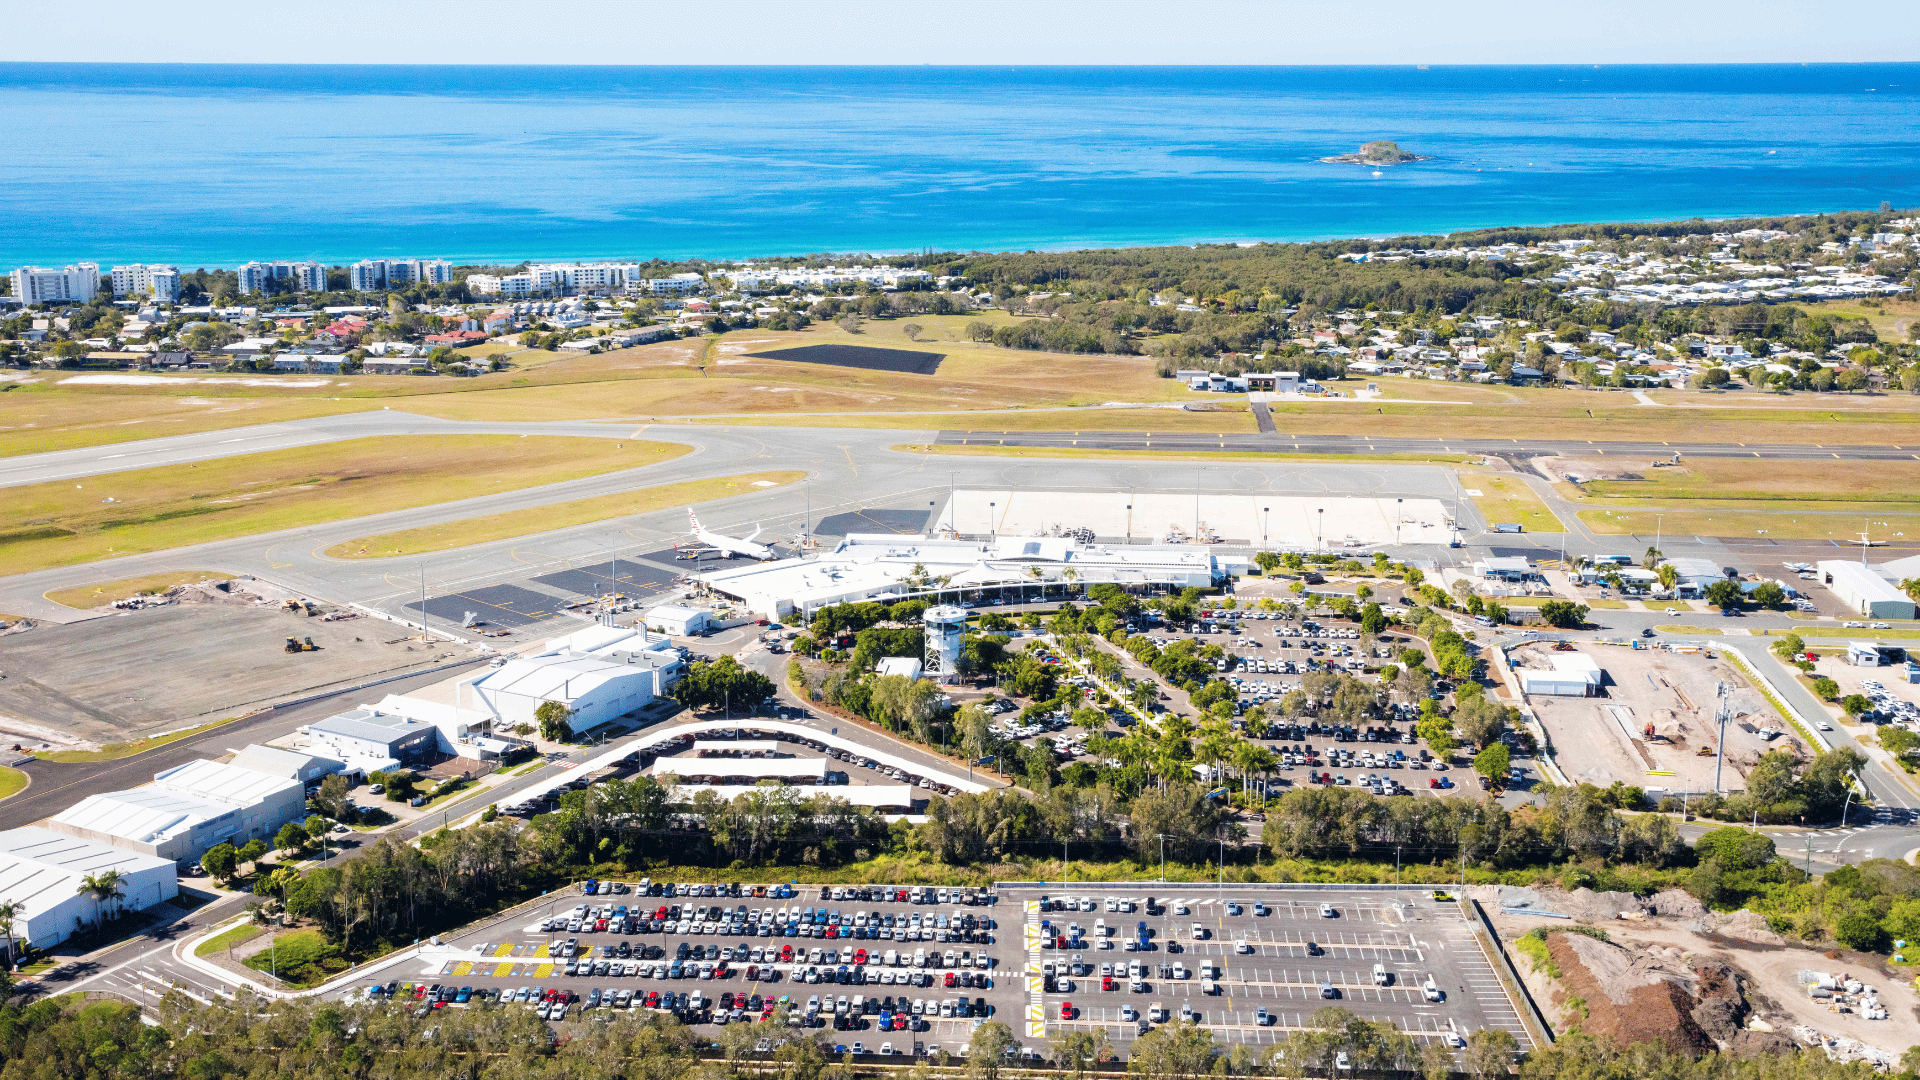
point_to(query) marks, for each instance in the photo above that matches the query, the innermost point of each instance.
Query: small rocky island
(1379, 152)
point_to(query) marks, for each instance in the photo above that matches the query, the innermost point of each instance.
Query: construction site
(195, 654)
(1654, 718)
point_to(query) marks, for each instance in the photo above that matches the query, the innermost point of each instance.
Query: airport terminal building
(887, 568)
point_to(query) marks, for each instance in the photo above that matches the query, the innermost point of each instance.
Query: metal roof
(274, 761)
(145, 815)
(223, 783)
(368, 725)
(41, 868)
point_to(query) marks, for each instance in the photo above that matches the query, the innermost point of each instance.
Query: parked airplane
(727, 545)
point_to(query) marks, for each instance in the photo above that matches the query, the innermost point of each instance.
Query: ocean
(217, 165)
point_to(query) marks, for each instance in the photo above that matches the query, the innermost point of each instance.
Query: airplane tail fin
(755, 533)
(695, 519)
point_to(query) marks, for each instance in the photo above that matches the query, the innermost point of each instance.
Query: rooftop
(39, 868)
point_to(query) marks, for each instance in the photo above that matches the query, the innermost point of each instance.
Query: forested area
(68, 1038)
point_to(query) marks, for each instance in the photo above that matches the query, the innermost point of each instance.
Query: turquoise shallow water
(216, 165)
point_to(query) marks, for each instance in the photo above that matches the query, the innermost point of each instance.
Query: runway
(1280, 443)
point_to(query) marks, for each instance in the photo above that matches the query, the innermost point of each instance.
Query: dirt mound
(1583, 905)
(1753, 1044)
(1676, 904)
(1634, 996)
(1744, 926)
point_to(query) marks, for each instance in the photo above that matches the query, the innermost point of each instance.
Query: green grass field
(229, 939)
(480, 530)
(87, 597)
(113, 514)
(709, 376)
(12, 781)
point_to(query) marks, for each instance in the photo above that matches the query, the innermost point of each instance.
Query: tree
(1489, 1053)
(1482, 722)
(1267, 561)
(1826, 688)
(725, 683)
(332, 797)
(253, 851)
(1563, 614)
(291, 838)
(1911, 586)
(10, 910)
(1857, 705)
(221, 860)
(1173, 1051)
(987, 1050)
(1493, 763)
(912, 330)
(1372, 619)
(1724, 594)
(315, 827)
(105, 888)
(1668, 575)
(1770, 594)
(554, 718)
(1791, 647)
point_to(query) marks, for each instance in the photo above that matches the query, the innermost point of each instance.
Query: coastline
(774, 249)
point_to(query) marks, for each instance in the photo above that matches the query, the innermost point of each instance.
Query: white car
(1326, 911)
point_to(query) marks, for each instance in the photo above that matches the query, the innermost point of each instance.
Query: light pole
(1264, 522)
(1163, 857)
(1196, 504)
(1398, 513)
(1659, 521)
(1320, 541)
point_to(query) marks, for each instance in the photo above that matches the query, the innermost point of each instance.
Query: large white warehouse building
(43, 871)
(599, 674)
(187, 810)
(1864, 591)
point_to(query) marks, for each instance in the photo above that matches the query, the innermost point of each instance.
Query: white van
(1199, 932)
(1241, 946)
(1381, 977)
(893, 958)
(1209, 987)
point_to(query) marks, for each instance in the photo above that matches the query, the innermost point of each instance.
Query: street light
(1163, 857)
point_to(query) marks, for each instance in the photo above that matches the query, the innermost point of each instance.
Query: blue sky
(988, 32)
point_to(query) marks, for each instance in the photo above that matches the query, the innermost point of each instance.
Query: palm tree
(9, 911)
(1246, 758)
(105, 888)
(1669, 577)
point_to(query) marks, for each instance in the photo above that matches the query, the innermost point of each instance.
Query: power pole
(1163, 857)
(425, 634)
(1720, 756)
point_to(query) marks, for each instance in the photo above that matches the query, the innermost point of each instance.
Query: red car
(900, 896)
(753, 972)
(950, 980)
(859, 956)
(653, 999)
(600, 925)
(1107, 983)
(1066, 1010)
(832, 932)
(786, 954)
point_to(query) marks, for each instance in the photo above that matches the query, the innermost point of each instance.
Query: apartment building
(305, 276)
(492, 285)
(79, 283)
(373, 275)
(141, 279)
